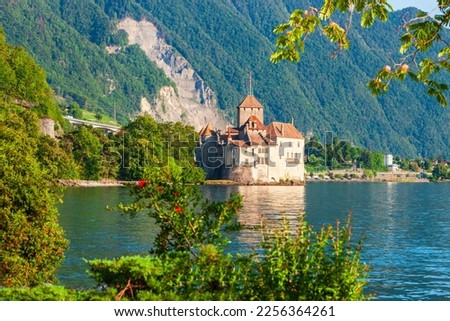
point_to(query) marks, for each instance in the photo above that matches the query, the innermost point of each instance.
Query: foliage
(54, 293)
(32, 242)
(304, 264)
(24, 83)
(302, 23)
(186, 220)
(68, 39)
(93, 153)
(144, 143)
(441, 171)
(421, 34)
(340, 154)
(125, 155)
(369, 174)
(310, 265)
(190, 262)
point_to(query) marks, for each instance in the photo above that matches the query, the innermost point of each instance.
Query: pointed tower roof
(207, 131)
(250, 102)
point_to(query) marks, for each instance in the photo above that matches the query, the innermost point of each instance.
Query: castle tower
(250, 106)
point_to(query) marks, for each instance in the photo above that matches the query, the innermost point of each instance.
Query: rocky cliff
(193, 102)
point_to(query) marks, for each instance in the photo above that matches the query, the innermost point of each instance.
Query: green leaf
(441, 99)
(381, 12)
(281, 28)
(421, 14)
(327, 9)
(367, 19)
(407, 40)
(444, 52)
(343, 5)
(336, 33)
(359, 5)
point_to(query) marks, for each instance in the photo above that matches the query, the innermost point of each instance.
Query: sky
(425, 5)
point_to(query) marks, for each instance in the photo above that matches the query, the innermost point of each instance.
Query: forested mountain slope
(225, 40)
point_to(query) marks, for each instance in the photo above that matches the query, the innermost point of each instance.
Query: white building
(388, 160)
(252, 152)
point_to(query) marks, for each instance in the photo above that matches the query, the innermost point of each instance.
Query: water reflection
(267, 203)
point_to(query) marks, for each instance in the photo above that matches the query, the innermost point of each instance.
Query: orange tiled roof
(207, 131)
(249, 102)
(239, 143)
(250, 121)
(258, 139)
(286, 130)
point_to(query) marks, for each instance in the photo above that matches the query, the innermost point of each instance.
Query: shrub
(305, 265)
(369, 174)
(189, 261)
(54, 293)
(186, 219)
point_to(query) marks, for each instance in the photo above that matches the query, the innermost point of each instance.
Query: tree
(94, 152)
(421, 33)
(31, 241)
(144, 142)
(440, 171)
(427, 165)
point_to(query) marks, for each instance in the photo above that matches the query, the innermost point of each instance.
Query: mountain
(222, 41)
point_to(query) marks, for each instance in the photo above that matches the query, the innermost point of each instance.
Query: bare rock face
(47, 127)
(193, 102)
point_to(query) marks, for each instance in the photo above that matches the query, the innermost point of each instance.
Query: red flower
(160, 189)
(178, 209)
(175, 193)
(142, 183)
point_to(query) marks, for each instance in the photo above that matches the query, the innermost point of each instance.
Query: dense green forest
(68, 39)
(225, 40)
(84, 152)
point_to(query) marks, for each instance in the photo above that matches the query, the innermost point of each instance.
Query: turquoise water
(406, 229)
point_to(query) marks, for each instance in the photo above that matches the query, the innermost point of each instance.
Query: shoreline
(113, 183)
(374, 180)
(91, 183)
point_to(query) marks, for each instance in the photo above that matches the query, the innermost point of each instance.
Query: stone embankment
(89, 183)
(343, 176)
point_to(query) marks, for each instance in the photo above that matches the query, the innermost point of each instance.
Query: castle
(251, 152)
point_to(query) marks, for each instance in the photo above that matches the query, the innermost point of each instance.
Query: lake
(405, 226)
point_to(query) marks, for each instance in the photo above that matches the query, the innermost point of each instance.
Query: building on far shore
(251, 152)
